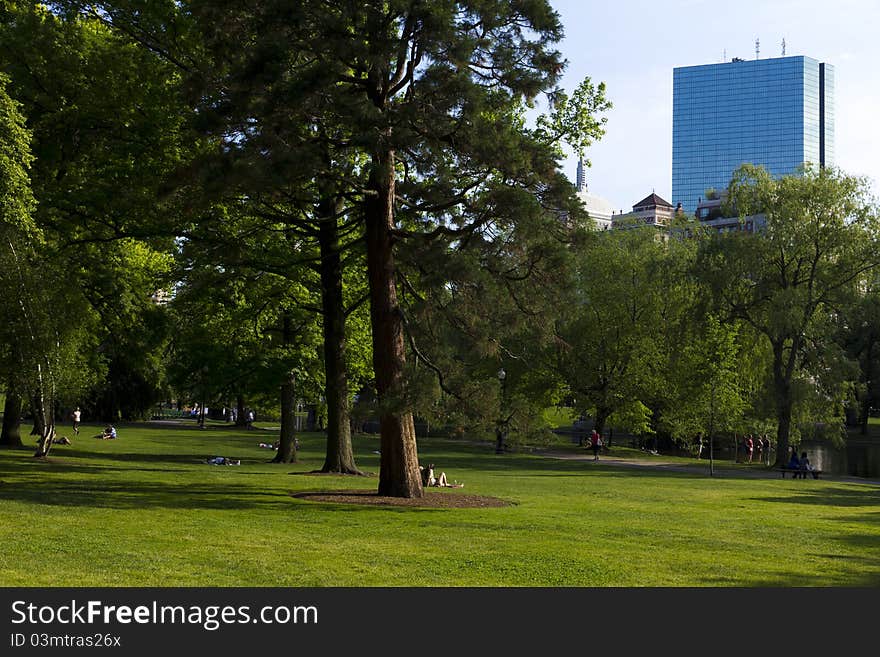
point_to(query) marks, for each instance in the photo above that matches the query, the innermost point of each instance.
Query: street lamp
(501, 426)
(711, 432)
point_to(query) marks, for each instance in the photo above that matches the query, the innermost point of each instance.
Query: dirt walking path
(723, 469)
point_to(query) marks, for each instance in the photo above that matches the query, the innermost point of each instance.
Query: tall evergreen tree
(407, 110)
(432, 88)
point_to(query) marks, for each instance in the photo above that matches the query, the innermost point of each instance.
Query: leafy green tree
(711, 396)
(42, 329)
(241, 332)
(16, 226)
(435, 84)
(787, 282)
(608, 336)
(413, 99)
(678, 322)
(106, 124)
(133, 332)
(859, 335)
(281, 167)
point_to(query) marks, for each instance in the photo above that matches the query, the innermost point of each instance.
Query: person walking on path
(750, 447)
(765, 441)
(595, 440)
(77, 415)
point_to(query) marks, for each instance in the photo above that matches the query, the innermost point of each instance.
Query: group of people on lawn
(109, 432)
(759, 445)
(801, 464)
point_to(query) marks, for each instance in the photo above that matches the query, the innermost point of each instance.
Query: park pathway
(723, 469)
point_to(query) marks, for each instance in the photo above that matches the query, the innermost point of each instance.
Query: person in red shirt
(595, 440)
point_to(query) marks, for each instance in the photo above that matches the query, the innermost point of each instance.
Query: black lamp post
(711, 432)
(501, 425)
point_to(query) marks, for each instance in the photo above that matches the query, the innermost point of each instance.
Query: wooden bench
(796, 471)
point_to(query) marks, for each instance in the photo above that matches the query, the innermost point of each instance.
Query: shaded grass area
(145, 510)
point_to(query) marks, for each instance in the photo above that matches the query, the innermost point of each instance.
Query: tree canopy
(813, 257)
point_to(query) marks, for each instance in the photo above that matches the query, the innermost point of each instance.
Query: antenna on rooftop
(724, 56)
(783, 47)
(757, 48)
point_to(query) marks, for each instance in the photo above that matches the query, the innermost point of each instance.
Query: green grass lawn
(145, 510)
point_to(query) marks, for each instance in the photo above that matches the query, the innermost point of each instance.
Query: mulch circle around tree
(430, 500)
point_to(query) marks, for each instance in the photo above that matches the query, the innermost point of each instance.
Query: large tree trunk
(602, 415)
(783, 433)
(399, 463)
(784, 403)
(500, 437)
(287, 445)
(39, 421)
(340, 455)
(11, 434)
(240, 412)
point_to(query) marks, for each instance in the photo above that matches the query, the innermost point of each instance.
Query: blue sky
(633, 45)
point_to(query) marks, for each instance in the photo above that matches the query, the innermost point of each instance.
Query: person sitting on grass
(277, 444)
(109, 433)
(222, 460)
(428, 478)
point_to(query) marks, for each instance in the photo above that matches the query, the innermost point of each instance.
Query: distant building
(160, 297)
(778, 113)
(599, 209)
(650, 211)
(710, 213)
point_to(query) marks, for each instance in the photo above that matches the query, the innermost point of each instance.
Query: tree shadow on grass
(120, 466)
(129, 457)
(130, 495)
(859, 577)
(830, 496)
(432, 499)
(127, 494)
(187, 458)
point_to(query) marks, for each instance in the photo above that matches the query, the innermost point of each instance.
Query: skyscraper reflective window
(777, 112)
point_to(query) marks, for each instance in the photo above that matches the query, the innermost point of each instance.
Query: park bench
(795, 471)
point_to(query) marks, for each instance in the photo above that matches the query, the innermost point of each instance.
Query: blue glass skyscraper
(777, 112)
